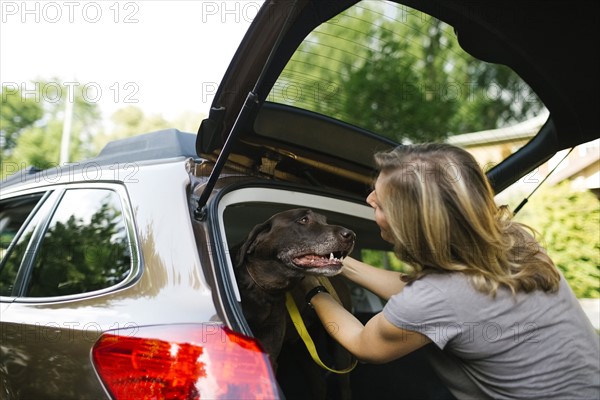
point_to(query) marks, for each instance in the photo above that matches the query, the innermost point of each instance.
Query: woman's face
(374, 200)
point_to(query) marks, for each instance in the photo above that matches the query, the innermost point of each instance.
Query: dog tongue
(316, 261)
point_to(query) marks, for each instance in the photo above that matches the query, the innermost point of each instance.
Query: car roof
(547, 43)
(168, 143)
(153, 147)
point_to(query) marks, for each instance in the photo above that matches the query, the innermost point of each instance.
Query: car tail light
(204, 361)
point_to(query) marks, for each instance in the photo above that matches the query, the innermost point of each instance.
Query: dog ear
(254, 237)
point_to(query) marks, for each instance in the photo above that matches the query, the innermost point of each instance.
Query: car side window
(14, 213)
(85, 247)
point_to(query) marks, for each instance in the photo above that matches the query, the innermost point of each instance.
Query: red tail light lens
(206, 361)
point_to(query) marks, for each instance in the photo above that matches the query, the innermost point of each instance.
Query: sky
(166, 57)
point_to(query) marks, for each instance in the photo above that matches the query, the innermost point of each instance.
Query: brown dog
(276, 255)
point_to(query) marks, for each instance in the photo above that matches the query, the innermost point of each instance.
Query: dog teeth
(334, 258)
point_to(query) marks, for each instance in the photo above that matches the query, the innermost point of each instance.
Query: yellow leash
(303, 332)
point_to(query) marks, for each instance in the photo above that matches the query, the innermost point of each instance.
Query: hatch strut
(526, 199)
(246, 110)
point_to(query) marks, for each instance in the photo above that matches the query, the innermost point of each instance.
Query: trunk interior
(238, 210)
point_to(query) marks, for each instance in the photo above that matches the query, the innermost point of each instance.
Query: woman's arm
(384, 283)
(378, 341)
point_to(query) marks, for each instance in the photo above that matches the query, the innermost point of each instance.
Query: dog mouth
(333, 259)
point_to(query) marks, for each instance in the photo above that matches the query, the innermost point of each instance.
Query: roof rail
(169, 143)
(21, 176)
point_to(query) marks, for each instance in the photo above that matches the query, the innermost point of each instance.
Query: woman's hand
(379, 341)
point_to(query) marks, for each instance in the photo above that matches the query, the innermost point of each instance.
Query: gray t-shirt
(528, 346)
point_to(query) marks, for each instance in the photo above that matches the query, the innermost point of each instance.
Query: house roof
(523, 130)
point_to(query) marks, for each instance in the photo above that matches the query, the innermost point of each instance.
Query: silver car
(116, 276)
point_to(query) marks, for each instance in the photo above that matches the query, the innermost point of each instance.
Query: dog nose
(347, 235)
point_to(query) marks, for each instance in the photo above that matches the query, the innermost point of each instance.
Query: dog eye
(303, 220)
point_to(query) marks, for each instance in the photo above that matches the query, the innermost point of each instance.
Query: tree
(401, 74)
(38, 144)
(390, 102)
(17, 113)
(32, 124)
(131, 121)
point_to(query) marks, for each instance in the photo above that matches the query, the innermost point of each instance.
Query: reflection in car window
(400, 73)
(85, 247)
(13, 214)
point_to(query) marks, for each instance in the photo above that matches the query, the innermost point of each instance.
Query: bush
(568, 223)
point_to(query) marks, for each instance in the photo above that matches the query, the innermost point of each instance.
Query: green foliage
(390, 102)
(569, 224)
(383, 259)
(130, 121)
(39, 146)
(35, 137)
(32, 125)
(402, 74)
(17, 113)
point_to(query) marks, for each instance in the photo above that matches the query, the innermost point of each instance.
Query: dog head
(301, 240)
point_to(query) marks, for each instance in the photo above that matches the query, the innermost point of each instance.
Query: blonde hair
(441, 211)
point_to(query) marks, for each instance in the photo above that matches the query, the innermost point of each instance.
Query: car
(116, 279)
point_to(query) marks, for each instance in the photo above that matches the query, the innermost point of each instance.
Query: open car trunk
(265, 155)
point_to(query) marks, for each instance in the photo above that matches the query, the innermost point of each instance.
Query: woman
(503, 320)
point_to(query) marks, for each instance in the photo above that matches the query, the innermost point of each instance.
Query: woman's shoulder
(445, 282)
(431, 294)
(456, 291)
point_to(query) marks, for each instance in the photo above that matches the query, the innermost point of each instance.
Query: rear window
(401, 74)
